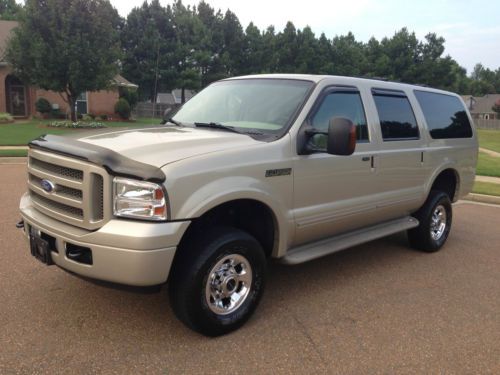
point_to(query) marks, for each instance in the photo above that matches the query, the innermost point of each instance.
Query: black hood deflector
(112, 161)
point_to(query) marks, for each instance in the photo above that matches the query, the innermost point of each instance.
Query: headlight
(139, 199)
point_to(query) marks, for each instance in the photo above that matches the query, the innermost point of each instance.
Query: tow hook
(20, 225)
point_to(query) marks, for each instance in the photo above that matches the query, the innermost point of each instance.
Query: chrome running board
(331, 245)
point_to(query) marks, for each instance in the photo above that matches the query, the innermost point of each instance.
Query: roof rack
(384, 79)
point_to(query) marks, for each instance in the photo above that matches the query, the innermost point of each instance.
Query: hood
(163, 145)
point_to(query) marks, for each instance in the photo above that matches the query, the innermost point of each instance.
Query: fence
(155, 110)
(487, 124)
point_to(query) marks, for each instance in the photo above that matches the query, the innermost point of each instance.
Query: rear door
(400, 176)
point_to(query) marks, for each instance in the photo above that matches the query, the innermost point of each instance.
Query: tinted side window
(397, 120)
(346, 104)
(445, 115)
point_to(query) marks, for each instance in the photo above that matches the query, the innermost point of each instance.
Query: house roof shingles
(481, 104)
(6, 28)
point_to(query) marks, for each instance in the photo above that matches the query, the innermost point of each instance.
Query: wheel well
(249, 215)
(447, 182)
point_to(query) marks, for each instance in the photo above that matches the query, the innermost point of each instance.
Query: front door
(16, 97)
(335, 194)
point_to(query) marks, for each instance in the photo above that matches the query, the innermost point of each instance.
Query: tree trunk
(183, 95)
(72, 107)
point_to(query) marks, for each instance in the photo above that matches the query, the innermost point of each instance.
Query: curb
(491, 199)
(14, 147)
(13, 160)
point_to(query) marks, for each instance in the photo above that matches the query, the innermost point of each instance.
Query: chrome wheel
(438, 222)
(228, 284)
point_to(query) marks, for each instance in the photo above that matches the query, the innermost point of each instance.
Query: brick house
(19, 99)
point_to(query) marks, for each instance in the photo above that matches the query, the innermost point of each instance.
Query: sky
(471, 27)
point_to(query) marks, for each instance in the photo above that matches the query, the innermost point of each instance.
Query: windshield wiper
(217, 125)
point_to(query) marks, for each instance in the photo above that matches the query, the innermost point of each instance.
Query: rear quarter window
(445, 115)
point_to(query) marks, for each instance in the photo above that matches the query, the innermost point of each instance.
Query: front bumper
(123, 251)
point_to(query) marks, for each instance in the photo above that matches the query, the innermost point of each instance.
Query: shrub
(123, 108)
(130, 95)
(5, 118)
(76, 125)
(56, 113)
(87, 117)
(43, 106)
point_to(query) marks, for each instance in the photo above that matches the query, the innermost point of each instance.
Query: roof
(177, 94)
(344, 80)
(123, 82)
(481, 104)
(165, 98)
(6, 28)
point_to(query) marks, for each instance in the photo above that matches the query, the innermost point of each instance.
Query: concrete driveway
(376, 308)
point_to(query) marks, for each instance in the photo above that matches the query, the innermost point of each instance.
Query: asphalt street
(376, 308)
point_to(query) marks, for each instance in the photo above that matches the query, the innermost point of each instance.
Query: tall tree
(149, 41)
(10, 10)
(191, 48)
(348, 56)
(67, 46)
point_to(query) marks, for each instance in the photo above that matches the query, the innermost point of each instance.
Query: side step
(331, 245)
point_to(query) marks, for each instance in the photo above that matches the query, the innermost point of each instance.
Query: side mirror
(341, 136)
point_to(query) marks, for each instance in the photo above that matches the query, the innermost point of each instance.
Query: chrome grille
(77, 213)
(43, 166)
(81, 193)
(61, 190)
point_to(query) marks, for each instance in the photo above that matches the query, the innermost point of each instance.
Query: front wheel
(218, 280)
(435, 218)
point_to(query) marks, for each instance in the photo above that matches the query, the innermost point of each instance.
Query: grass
(20, 133)
(488, 165)
(489, 139)
(14, 153)
(486, 188)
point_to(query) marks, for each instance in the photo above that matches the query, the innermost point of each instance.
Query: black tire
(421, 237)
(191, 271)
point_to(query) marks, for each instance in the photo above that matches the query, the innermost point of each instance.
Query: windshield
(266, 105)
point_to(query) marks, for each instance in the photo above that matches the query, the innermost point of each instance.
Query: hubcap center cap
(229, 285)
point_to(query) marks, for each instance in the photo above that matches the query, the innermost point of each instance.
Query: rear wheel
(435, 218)
(218, 280)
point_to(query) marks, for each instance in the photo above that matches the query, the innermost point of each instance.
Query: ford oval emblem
(48, 186)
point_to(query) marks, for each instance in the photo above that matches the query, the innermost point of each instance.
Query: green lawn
(489, 139)
(13, 153)
(488, 165)
(20, 133)
(486, 188)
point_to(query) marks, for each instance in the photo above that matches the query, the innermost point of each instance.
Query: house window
(81, 104)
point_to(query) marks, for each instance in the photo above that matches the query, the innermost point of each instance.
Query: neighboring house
(174, 97)
(19, 99)
(481, 107)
